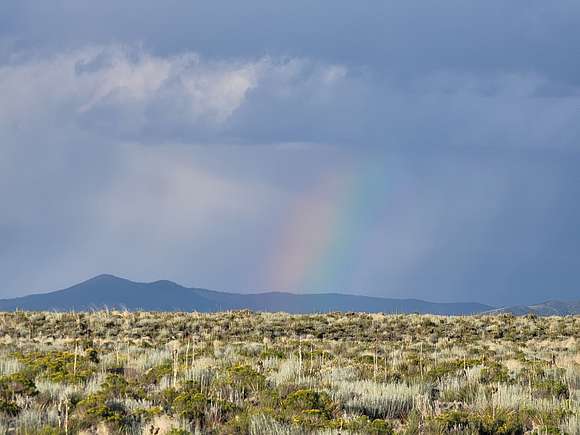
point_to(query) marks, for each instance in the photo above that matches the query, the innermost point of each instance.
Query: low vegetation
(263, 373)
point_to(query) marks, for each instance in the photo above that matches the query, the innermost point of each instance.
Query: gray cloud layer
(175, 141)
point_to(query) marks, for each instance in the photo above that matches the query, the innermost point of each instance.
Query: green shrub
(309, 402)
(244, 378)
(450, 367)
(494, 372)
(17, 384)
(98, 408)
(552, 388)
(272, 353)
(8, 408)
(453, 420)
(114, 386)
(499, 422)
(490, 422)
(190, 405)
(58, 366)
(154, 374)
(92, 355)
(50, 430)
(363, 424)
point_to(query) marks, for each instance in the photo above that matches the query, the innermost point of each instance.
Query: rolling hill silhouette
(108, 291)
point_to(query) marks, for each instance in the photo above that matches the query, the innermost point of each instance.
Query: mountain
(113, 292)
(108, 291)
(325, 302)
(549, 308)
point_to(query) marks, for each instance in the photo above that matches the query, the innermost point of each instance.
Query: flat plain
(275, 373)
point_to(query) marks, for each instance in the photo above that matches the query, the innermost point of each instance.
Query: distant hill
(113, 292)
(549, 308)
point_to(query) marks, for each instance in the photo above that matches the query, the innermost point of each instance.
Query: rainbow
(326, 230)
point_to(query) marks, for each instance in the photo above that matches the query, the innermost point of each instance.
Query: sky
(409, 148)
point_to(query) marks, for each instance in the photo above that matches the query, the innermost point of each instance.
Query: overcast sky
(393, 148)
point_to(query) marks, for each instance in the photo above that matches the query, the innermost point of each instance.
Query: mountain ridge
(110, 291)
(548, 308)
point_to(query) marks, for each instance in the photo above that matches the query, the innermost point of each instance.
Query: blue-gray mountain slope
(113, 292)
(549, 308)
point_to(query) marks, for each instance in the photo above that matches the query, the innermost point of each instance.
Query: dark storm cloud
(410, 37)
(117, 120)
(125, 93)
(464, 72)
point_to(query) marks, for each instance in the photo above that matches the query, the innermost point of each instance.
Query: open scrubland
(264, 373)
